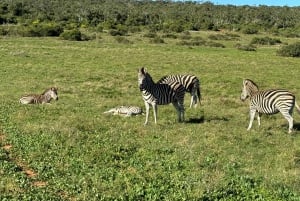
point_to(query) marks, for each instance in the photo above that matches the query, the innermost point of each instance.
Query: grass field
(70, 150)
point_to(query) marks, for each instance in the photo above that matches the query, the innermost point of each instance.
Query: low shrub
(123, 40)
(247, 188)
(250, 30)
(150, 35)
(157, 39)
(249, 47)
(170, 35)
(214, 44)
(265, 41)
(43, 29)
(292, 50)
(120, 30)
(73, 35)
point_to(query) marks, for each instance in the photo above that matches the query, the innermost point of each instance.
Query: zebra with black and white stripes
(191, 84)
(45, 97)
(160, 94)
(125, 110)
(268, 102)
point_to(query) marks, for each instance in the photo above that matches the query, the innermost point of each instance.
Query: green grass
(78, 153)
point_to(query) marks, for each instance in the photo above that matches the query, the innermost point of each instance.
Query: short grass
(70, 150)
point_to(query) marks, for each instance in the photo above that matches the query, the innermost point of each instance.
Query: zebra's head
(142, 78)
(249, 88)
(52, 92)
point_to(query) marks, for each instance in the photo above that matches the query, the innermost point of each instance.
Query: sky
(289, 3)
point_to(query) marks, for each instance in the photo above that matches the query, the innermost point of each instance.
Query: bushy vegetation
(121, 17)
(265, 41)
(248, 189)
(248, 47)
(292, 50)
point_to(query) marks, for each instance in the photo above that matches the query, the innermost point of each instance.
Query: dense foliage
(132, 15)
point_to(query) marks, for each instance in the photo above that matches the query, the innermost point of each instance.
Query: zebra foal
(125, 110)
(160, 94)
(268, 102)
(191, 84)
(45, 97)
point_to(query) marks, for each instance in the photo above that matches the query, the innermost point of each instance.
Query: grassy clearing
(74, 152)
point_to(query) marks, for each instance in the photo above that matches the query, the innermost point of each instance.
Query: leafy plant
(265, 41)
(292, 50)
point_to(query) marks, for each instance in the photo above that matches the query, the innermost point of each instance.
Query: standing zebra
(161, 94)
(190, 82)
(268, 102)
(45, 97)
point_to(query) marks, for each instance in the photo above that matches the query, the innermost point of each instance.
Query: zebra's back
(188, 81)
(273, 101)
(163, 94)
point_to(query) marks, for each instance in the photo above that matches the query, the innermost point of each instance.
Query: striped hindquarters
(273, 101)
(31, 99)
(188, 81)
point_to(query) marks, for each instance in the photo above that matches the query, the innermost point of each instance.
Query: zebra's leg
(181, 105)
(154, 111)
(194, 100)
(258, 118)
(252, 115)
(289, 118)
(147, 112)
(180, 110)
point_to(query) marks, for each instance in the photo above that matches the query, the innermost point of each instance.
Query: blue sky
(254, 2)
(258, 2)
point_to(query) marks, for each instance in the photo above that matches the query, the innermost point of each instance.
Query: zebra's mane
(49, 89)
(148, 77)
(248, 80)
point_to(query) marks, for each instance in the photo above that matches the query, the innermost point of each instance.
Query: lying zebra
(45, 97)
(125, 110)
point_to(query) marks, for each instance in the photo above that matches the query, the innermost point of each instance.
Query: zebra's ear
(143, 70)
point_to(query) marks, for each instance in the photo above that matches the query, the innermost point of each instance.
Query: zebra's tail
(297, 107)
(199, 95)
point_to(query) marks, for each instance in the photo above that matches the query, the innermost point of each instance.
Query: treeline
(53, 17)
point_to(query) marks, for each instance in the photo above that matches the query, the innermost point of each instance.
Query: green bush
(265, 41)
(214, 44)
(249, 47)
(43, 29)
(157, 39)
(250, 30)
(170, 35)
(292, 50)
(120, 30)
(74, 35)
(123, 40)
(150, 35)
(248, 189)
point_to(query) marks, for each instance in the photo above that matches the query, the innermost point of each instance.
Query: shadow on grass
(201, 119)
(296, 126)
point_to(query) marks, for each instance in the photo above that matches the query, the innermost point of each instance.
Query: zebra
(125, 110)
(160, 94)
(191, 84)
(45, 97)
(268, 102)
